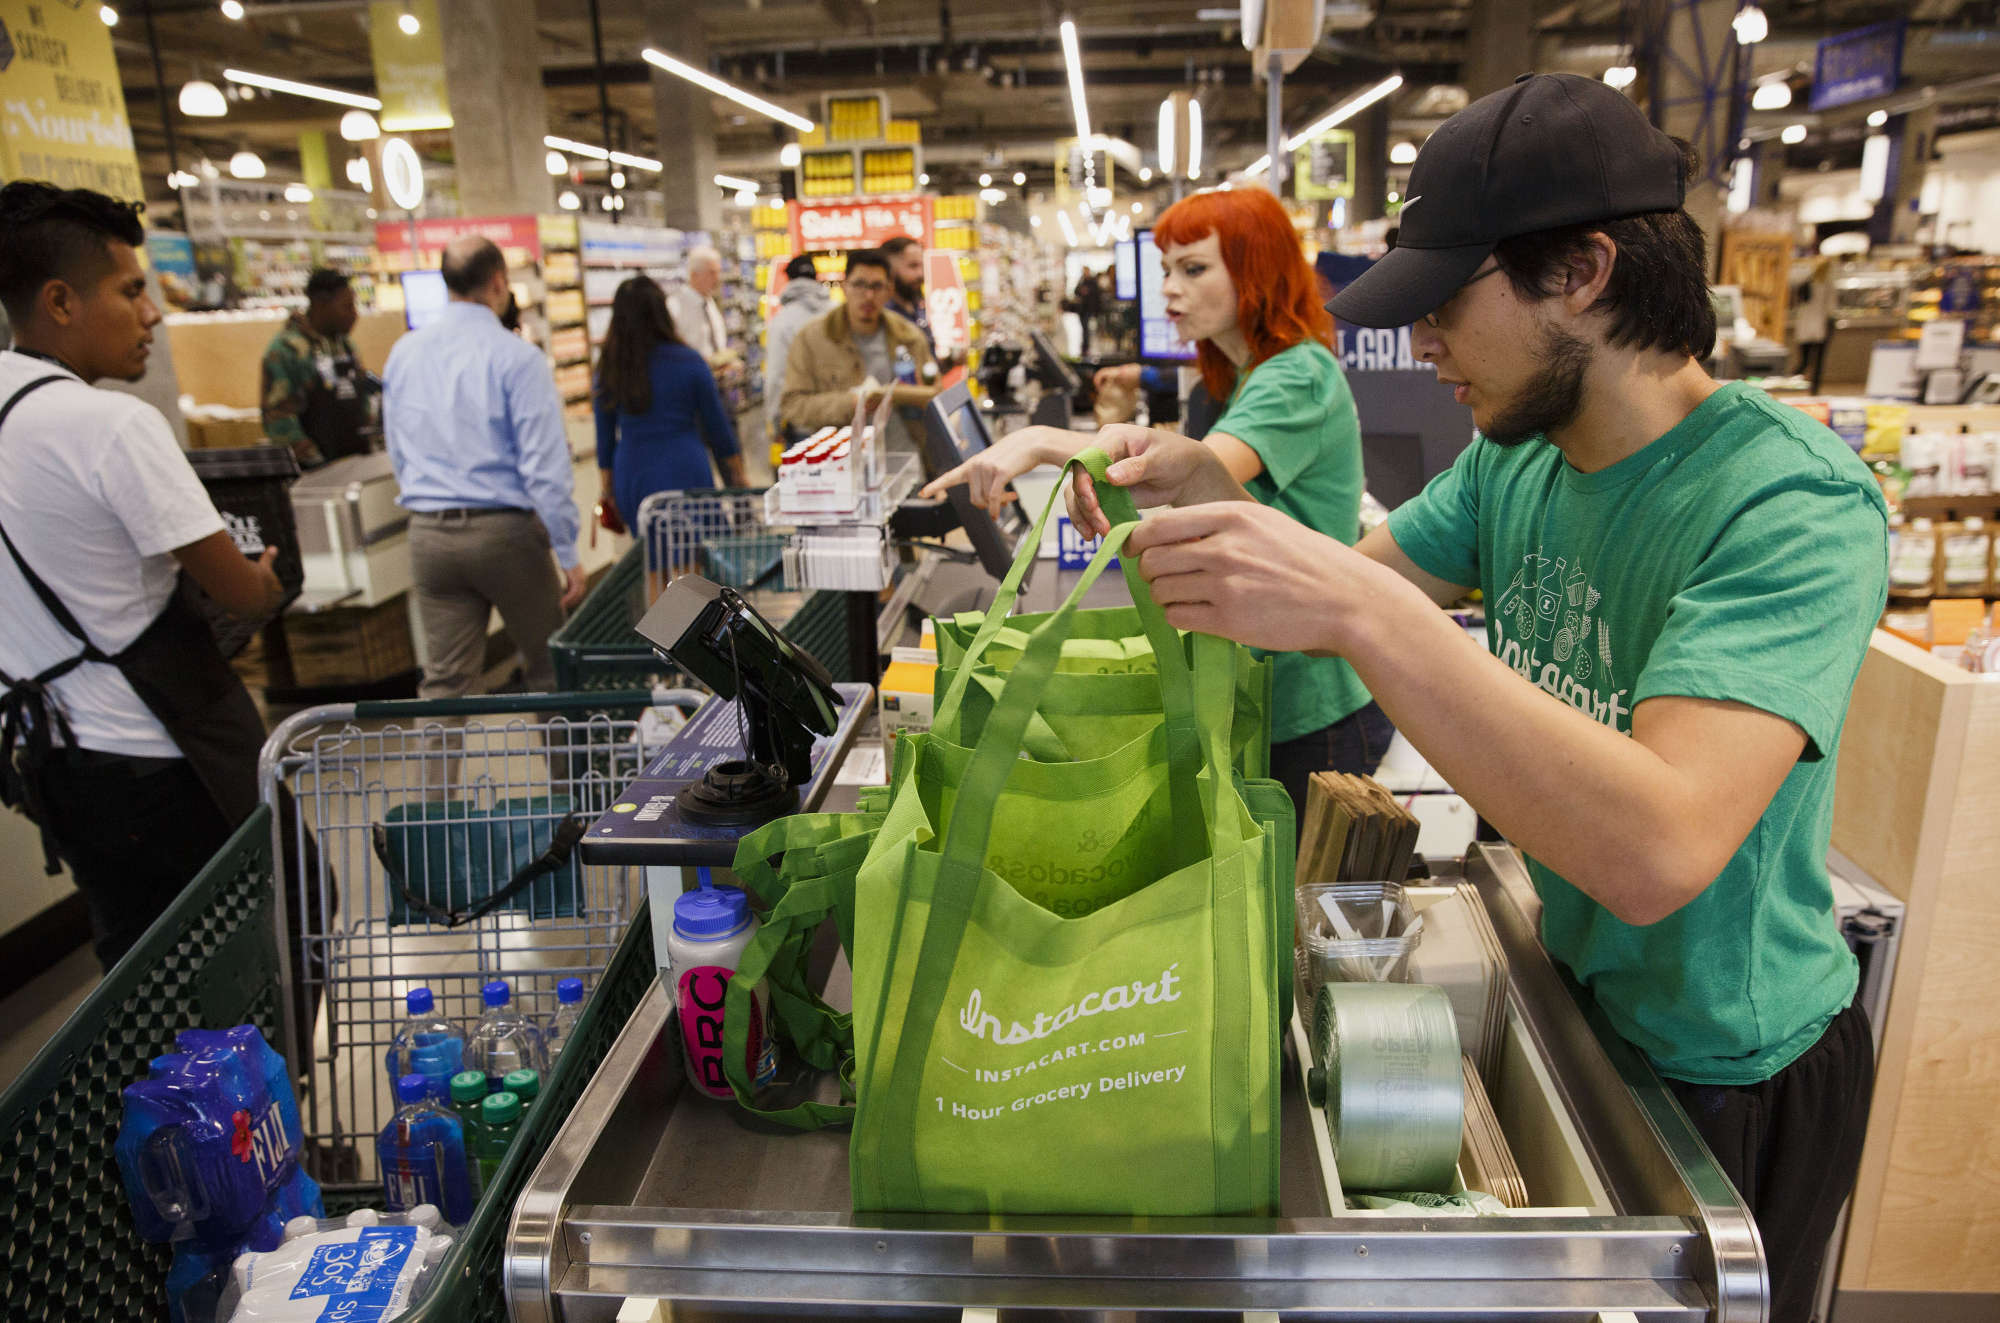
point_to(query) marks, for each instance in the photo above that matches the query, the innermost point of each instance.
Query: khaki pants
(465, 565)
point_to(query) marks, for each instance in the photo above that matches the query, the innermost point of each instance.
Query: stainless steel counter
(651, 1192)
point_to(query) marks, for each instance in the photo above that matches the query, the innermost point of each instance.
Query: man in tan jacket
(834, 354)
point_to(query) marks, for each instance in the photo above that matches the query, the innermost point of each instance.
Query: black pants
(133, 833)
(1355, 743)
(1792, 1145)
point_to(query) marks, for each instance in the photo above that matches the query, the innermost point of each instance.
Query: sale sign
(860, 222)
(513, 234)
(945, 301)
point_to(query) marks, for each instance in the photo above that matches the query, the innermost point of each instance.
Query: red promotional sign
(860, 222)
(944, 298)
(510, 232)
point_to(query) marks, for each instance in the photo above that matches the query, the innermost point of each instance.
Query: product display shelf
(652, 1194)
(562, 282)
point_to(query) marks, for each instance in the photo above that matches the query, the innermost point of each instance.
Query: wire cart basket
(433, 848)
(719, 534)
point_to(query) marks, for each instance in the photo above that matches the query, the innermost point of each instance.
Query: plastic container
(525, 1085)
(251, 488)
(711, 927)
(423, 1154)
(505, 1039)
(569, 1009)
(499, 1122)
(1353, 932)
(428, 1044)
(468, 1091)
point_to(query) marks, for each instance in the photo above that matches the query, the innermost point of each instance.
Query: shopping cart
(718, 534)
(434, 847)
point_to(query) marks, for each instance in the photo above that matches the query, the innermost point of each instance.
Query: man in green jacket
(317, 398)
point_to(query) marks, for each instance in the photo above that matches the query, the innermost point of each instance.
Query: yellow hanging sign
(409, 66)
(62, 110)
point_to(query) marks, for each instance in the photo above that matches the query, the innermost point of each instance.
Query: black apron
(339, 412)
(177, 671)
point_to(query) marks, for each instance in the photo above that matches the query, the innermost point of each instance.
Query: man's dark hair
(465, 274)
(1657, 296)
(58, 234)
(897, 246)
(869, 257)
(324, 283)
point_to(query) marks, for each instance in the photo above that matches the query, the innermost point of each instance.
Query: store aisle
(40, 1008)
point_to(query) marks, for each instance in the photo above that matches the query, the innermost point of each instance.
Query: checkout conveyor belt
(651, 1193)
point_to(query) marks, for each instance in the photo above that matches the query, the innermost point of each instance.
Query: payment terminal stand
(767, 745)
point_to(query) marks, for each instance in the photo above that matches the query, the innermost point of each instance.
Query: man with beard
(1680, 579)
(906, 273)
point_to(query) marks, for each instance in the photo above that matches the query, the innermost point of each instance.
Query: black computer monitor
(1049, 367)
(1158, 342)
(1125, 270)
(424, 297)
(954, 431)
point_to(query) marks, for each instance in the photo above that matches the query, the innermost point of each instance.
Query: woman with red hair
(1238, 285)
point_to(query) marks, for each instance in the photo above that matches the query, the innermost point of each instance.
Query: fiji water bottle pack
(209, 1153)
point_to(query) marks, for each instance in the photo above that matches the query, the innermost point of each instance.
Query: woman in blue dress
(659, 414)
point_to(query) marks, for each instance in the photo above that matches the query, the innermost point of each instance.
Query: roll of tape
(1391, 1084)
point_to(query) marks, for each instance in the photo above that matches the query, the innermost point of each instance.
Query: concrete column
(1371, 163)
(1770, 173)
(684, 118)
(1688, 61)
(1499, 46)
(493, 80)
(1910, 139)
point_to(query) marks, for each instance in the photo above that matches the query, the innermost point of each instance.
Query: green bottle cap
(526, 1083)
(468, 1086)
(500, 1108)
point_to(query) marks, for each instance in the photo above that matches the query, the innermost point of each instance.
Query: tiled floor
(35, 1012)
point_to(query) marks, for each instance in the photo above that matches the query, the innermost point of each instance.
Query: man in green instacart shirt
(1680, 578)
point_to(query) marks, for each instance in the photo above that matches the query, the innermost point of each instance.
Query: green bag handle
(970, 830)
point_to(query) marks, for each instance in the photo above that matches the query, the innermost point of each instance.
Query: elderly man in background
(697, 315)
(475, 430)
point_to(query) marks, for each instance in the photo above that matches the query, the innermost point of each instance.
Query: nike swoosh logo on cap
(1411, 202)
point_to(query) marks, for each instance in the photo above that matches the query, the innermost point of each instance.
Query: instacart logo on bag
(1118, 997)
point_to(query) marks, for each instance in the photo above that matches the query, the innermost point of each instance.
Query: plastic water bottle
(468, 1091)
(423, 1154)
(525, 1085)
(428, 1044)
(906, 367)
(499, 1121)
(504, 1040)
(712, 925)
(569, 1009)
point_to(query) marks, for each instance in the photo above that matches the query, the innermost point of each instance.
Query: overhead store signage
(1858, 66)
(402, 173)
(513, 234)
(860, 223)
(945, 301)
(62, 109)
(409, 70)
(1323, 169)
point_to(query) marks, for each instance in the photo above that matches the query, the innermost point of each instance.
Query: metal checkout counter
(663, 1204)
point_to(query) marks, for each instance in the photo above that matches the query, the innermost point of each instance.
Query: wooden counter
(219, 361)
(1917, 805)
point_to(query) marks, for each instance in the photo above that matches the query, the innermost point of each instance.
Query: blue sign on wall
(1858, 66)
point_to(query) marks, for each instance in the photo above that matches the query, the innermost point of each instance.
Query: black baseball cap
(1552, 150)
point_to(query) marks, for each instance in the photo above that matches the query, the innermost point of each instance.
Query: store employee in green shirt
(1681, 578)
(1237, 284)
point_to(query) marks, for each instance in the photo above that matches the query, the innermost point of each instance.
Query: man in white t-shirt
(99, 504)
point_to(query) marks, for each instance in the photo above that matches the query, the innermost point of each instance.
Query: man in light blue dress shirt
(475, 429)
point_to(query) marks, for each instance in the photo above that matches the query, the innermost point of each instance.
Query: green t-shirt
(1741, 557)
(1295, 410)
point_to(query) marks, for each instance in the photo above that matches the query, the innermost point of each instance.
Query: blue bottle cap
(495, 993)
(711, 912)
(419, 1001)
(413, 1088)
(569, 990)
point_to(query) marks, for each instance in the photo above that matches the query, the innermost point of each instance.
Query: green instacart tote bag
(1119, 1058)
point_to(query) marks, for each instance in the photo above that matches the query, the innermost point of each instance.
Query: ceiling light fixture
(1403, 153)
(359, 126)
(1621, 76)
(408, 22)
(575, 148)
(201, 99)
(1166, 135)
(923, 181)
(180, 179)
(233, 10)
(246, 165)
(108, 15)
(1345, 111)
(789, 155)
(1793, 135)
(568, 200)
(740, 185)
(555, 163)
(986, 181)
(1877, 118)
(1035, 221)
(1750, 25)
(1068, 228)
(680, 69)
(1194, 140)
(1020, 178)
(1775, 94)
(298, 193)
(1145, 174)
(1073, 60)
(359, 175)
(617, 179)
(992, 197)
(312, 90)
(1258, 166)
